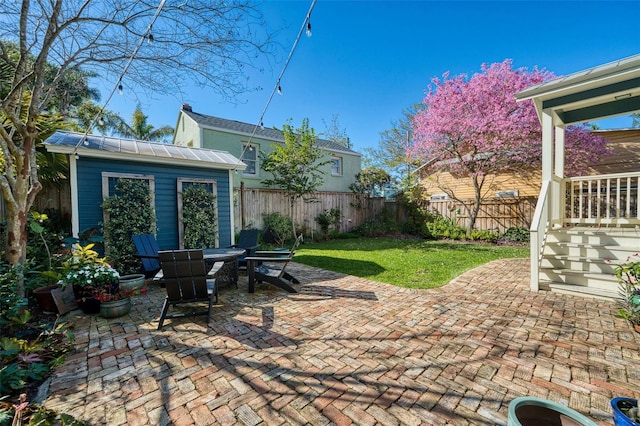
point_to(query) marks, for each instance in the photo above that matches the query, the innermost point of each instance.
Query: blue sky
(368, 60)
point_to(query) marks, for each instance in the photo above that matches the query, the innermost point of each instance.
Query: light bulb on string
(101, 121)
(262, 125)
(120, 89)
(250, 148)
(308, 29)
(279, 90)
(150, 38)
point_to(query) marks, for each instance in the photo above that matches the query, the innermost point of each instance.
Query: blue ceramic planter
(531, 411)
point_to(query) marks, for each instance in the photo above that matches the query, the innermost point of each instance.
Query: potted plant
(90, 276)
(625, 411)
(628, 274)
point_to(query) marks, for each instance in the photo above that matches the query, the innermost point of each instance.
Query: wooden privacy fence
(251, 204)
(497, 214)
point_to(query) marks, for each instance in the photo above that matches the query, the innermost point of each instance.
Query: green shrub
(199, 216)
(329, 220)
(384, 223)
(10, 302)
(277, 229)
(516, 235)
(484, 235)
(442, 227)
(32, 351)
(130, 213)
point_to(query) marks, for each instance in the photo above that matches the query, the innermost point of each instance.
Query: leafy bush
(11, 303)
(329, 219)
(383, 223)
(418, 214)
(484, 235)
(27, 414)
(129, 212)
(516, 235)
(31, 353)
(199, 216)
(442, 227)
(277, 229)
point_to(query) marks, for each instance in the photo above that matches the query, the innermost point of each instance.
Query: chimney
(186, 107)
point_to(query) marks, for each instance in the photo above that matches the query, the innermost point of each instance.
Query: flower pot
(45, 299)
(531, 411)
(636, 327)
(131, 282)
(115, 308)
(86, 302)
(621, 405)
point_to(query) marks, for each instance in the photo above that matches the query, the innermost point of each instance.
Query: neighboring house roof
(246, 129)
(135, 150)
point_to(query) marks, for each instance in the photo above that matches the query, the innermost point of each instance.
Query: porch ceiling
(599, 92)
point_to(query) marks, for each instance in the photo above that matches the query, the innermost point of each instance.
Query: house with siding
(504, 191)
(246, 141)
(96, 161)
(624, 145)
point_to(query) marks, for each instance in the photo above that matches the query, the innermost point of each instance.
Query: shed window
(250, 158)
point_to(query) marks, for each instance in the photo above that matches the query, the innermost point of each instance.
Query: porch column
(547, 146)
(557, 214)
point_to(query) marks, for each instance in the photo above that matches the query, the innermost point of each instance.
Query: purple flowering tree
(474, 128)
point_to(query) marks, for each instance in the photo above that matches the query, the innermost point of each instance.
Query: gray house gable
(246, 129)
(248, 142)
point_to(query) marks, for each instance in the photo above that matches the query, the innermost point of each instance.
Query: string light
(306, 25)
(147, 36)
(101, 121)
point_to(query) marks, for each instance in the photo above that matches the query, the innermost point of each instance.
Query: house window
(336, 166)
(250, 158)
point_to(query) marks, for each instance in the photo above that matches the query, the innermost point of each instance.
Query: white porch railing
(605, 199)
(611, 200)
(539, 225)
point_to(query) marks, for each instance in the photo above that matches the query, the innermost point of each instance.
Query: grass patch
(409, 263)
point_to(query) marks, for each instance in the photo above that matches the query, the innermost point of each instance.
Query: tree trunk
(292, 203)
(19, 195)
(478, 182)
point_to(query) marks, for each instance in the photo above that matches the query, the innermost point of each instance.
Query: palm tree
(138, 128)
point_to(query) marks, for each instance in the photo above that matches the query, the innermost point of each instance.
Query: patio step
(579, 290)
(582, 260)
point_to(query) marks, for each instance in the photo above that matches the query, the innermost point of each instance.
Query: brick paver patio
(346, 350)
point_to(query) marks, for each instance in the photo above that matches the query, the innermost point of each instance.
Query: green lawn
(403, 262)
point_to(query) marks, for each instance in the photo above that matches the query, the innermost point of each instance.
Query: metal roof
(599, 92)
(246, 129)
(142, 151)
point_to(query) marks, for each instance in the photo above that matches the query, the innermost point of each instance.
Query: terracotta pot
(45, 299)
(636, 327)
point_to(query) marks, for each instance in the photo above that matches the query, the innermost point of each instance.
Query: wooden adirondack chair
(269, 266)
(248, 240)
(148, 249)
(187, 280)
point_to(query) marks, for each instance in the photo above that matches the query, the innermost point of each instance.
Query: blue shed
(94, 161)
